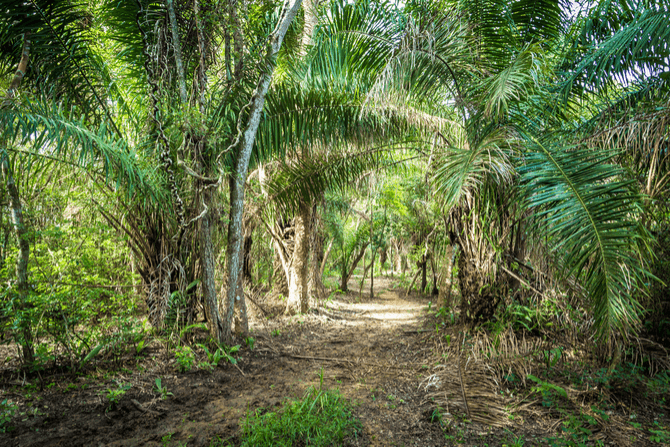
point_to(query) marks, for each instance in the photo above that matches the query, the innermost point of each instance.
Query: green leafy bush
(7, 412)
(185, 358)
(320, 418)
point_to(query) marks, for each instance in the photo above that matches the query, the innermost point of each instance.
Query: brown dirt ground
(372, 350)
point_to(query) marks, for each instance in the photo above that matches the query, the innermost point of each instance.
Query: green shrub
(7, 411)
(185, 358)
(320, 418)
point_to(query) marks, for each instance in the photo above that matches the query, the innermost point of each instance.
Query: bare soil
(374, 350)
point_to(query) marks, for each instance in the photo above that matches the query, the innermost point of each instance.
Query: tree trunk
(322, 268)
(209, 273)
(311, 19)
(22, 259)
(346, 273)
(241, 320)
(298, 298)
(316, 288)
(17, 212)
(435, 290)
(422, 265)
(176, 45)
(245, 142)
(478, 300)
(372, 261)
(248, 241)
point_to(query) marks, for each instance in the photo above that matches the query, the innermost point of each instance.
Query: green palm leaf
(634, 49)
(461, 170)
(588, 211)
(306, 179)
(51, 133)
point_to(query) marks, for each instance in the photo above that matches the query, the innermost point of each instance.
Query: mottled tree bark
(209, 272)
(298, 298)
(347, 272)
(16, 209)
(244, 146)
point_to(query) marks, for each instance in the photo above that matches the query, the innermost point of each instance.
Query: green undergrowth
(320, 418)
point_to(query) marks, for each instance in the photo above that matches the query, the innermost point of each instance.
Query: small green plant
(140, 344)
(162, 390)
(552, 357)
(213, 357)
(165, 440)
(250, 342)
(548, 390)
(185, 358)
(659, 434)
(321, 418)
(7, 411)
(511, 440)
(436, 416)
(114, 395)
(276, 333)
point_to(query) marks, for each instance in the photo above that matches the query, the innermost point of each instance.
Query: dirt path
(370, 349)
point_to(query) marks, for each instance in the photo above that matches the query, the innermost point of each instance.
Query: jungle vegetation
(177, 159)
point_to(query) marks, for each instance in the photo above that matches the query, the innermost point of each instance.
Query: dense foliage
(165, 160)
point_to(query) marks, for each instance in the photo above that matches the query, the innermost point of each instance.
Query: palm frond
(634, 50)
(514, 83)
(49, 131)
(62, 60)
(587, 210)
(306, 179)
(461, 170)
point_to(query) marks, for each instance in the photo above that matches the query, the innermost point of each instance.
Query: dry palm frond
(644, 140)
(642, 349)
(484, 404)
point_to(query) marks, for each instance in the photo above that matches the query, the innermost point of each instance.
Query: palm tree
(55, 72)
(568, 192)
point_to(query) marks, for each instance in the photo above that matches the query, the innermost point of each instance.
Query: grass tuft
(320, 418)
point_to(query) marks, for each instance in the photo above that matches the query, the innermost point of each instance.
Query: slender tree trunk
(20, 71)
(372, 264)
(22, 259)
(246, 271)
(346, 273)
(316, 288)
(322, 269)
(16, 209)
(244, 145)
(241, 321)
(202, 68)
(311, 19)
(435, 290)
(422, 265)
(298, 298)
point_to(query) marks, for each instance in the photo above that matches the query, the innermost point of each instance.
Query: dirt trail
(370, 349)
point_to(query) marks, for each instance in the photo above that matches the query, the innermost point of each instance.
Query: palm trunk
(22, 259)
(209, 273)
(298, 298)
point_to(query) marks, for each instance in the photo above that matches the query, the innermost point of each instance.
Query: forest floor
(373, 350)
